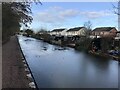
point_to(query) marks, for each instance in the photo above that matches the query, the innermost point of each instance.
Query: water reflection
(63, 67)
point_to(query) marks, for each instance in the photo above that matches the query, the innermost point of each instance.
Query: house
(118, 35)
(58, 32)
(104, 32)
(63, 33)
(77, 31)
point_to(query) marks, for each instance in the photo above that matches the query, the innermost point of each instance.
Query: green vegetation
(29, 32)
(107, 44)
(42, 34)
(83, 44)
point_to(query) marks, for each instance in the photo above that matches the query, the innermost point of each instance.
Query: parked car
(114, 52)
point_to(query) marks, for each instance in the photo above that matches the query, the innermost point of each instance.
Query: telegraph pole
(119, 15)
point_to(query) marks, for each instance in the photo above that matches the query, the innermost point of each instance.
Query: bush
(83, 44)
(107, 44)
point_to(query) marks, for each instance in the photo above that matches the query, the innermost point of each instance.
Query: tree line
(15, 14)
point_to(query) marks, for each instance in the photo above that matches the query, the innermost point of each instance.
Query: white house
(93, 36)
(58, 32)
(63, 33)
(77, 31)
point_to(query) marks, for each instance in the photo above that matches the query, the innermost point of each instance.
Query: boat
(114, 52)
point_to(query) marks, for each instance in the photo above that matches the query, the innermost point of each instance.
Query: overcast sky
(52, 15)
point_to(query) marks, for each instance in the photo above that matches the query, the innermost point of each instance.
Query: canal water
(63, 67)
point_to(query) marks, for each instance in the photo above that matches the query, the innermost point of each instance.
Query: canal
(57, 67)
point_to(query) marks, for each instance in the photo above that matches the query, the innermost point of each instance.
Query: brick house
(118, 35)
(104, 32)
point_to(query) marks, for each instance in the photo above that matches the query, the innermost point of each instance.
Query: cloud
(47, 17)
(56, 15)
(56, 8)
(69, 13)
(96, 14)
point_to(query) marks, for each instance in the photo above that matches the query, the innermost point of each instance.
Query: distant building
(77, 31)
(58, 32)
(118, 35)
(43, 32)
(104, 32)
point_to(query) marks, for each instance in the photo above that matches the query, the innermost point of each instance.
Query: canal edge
(23, 56)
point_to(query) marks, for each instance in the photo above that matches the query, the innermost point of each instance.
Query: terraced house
(58, 32)
(104, 32)
(77, 31)
(118, 35)
(117, 39)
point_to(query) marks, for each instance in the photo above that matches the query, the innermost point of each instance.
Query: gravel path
(13, 74)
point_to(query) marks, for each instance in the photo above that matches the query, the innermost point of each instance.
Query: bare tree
(117, 12)
(117, 8)
(88, 25)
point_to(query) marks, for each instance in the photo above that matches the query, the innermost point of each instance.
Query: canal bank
(32, 83)
(13, 70)
(96, 54)
(104, 55)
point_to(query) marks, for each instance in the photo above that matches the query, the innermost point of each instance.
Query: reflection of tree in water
(59, 48)
(56, 47)
(99, 62)
(44, 46)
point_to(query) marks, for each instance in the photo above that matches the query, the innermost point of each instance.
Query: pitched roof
(104, 28)
(57, 30)
(75, 29)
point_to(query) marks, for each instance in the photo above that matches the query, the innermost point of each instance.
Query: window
(101, 32)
